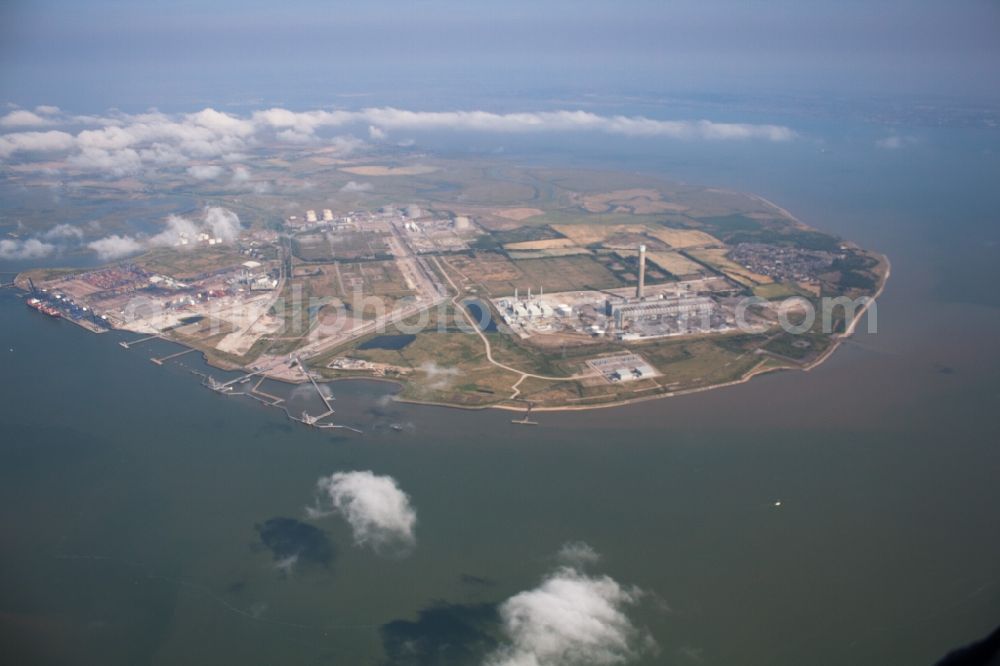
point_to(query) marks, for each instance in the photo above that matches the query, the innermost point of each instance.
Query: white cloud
(295, 136)
(23, 118)
(571, 619)
(305, 122)
(29, 142)
(115, 247)
(47, 110)
(121, 162)
(895, 142)
(379, 513)
(64, 232)
(562, 121)
(222, 124)
(161, 139)
(162, 154)
(126, 143)
(354, 186)
(578, 554)
(204, 171)
(235, 157)
(345, 144)
(242, 179)
(113, 137)
(241, 174)
(31, 248)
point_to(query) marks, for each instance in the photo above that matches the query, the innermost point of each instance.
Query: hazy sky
(100, 53)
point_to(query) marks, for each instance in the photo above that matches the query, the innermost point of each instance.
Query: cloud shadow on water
(442, 635)
(294, 542)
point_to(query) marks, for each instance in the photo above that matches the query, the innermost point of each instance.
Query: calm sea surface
(129, 495)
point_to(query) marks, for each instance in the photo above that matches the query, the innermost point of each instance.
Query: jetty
(162, 360)
(128, 345)
(526, 419)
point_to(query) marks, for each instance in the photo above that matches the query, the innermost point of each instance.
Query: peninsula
(481, 283)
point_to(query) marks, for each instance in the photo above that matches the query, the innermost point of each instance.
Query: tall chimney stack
(640, 288)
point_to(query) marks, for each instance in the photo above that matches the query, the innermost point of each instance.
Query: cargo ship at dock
(42, 307)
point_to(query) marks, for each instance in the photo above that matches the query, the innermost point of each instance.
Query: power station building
(628, 313)
(674, 306)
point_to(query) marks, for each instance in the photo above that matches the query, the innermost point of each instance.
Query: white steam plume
(354, 186)
(115, 247)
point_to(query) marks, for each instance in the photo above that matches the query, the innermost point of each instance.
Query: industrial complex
(588, 297)
(691, 307)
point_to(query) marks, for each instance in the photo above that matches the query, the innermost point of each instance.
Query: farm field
(675, 263)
